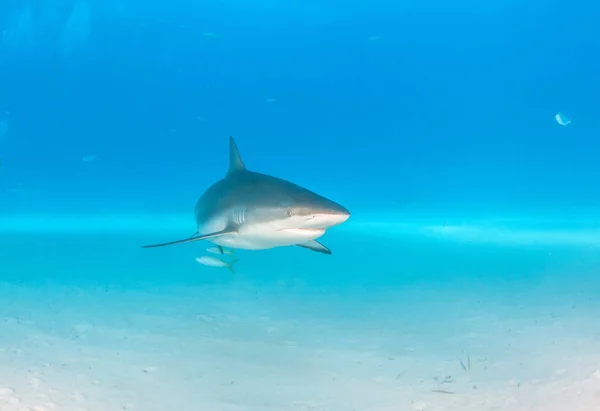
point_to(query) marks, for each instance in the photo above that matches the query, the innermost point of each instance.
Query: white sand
(239, 349)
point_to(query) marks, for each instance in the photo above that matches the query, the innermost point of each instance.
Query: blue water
(475, 220)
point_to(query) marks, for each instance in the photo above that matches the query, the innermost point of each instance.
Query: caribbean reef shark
(255, 211)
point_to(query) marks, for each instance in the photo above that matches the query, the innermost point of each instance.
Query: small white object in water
(215, 262)
(562, 119)
(219, 250)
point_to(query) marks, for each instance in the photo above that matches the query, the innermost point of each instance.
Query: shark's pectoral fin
(197, 238)
(315, 246)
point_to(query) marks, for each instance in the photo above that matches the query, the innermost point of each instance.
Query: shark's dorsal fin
(235, 160)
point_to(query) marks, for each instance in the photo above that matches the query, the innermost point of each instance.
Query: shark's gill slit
(239, 216)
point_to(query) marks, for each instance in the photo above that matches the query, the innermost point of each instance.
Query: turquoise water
(466, 278)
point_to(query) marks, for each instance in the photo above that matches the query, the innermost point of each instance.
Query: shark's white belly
(264, 237)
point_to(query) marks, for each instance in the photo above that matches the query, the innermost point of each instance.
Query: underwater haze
(463, 137)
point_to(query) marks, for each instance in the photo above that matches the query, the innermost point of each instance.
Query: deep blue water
(377, 105)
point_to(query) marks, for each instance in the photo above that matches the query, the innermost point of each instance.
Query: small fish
(562, 119)
(219, 250)
(215, 262)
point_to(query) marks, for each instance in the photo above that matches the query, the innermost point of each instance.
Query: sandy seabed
(237, 344)
(73, 349)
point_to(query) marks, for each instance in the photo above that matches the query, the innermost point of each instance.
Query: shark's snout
(332, 215)
(330, 220)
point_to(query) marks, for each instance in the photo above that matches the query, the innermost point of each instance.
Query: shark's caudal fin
(315, 246)
(191, 239)
(235, 160)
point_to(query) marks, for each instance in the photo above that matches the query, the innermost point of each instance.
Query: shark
(255, 211)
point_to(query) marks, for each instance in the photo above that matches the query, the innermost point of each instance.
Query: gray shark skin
(255, 211)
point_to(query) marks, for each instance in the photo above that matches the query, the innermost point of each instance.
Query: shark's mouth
(306, 230)
(300, 234)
